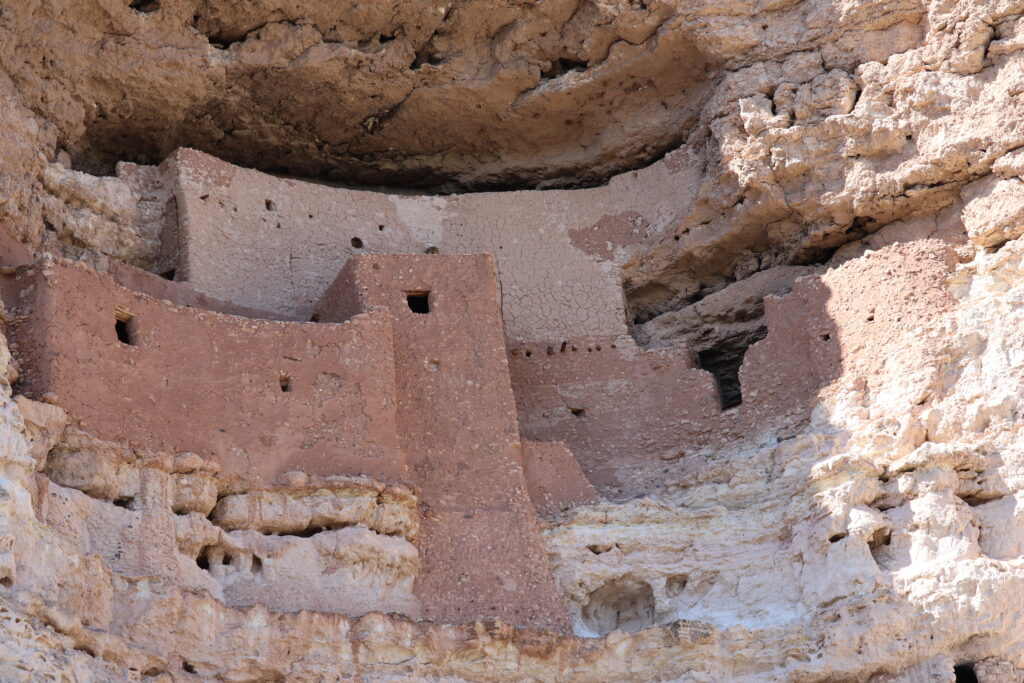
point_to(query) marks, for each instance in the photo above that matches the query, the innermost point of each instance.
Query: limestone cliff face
(881, 539)
(861, 155)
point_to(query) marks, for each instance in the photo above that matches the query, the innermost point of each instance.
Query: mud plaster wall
(276, 244)
(260, 397)
(481, 549)
(635, 418)
(554, 478)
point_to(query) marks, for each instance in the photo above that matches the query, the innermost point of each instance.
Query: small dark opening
(203, 559)
(168, 274)
(257, 564)
(381, 228)
(315, 318)
(562, 66)
(271, 205)
(188, 668)
(578, 412)
(965, 673)
(432, 250)
(357, 243)
(124, 502)
(124, 327)
(285, 381)
(145, 6)
(425, 56)
(6, 582)
(419, 302)
(676, 584)
(724, 361)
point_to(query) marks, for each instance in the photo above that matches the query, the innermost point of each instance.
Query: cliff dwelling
(511, 341)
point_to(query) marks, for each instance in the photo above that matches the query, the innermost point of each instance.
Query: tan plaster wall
(554, 250)
(210, 383)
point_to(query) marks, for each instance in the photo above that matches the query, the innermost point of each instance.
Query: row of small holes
(562, 349)
(357, 242)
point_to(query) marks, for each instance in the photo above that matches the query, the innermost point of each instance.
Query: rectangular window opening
(125, 326)
(419, 302)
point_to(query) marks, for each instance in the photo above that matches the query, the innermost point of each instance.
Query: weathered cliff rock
(828, 146)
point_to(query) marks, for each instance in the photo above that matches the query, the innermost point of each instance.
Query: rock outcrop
(760, 282)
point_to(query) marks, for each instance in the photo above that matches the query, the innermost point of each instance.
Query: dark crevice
(145, 6)
(562, 66)
(426, 56)
(978, 499)
(314, 530)
(203, 559)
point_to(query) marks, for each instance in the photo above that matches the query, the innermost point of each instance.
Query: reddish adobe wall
(635, 418)
(260, 397)
(619, 409)
(481, 549)
(179, 293)
(554, 478)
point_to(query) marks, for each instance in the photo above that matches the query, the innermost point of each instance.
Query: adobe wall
(619, 409)
(259, 397)
(273, 243)
(481, 550)
(635, 419)
(554, 478)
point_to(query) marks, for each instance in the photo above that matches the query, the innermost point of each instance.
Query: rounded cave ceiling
(426, 93)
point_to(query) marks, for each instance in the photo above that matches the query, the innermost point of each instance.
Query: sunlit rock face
(743, 397)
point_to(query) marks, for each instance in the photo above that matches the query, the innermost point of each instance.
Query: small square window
(419, 302)
(125, 326)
